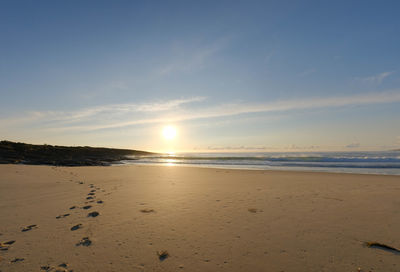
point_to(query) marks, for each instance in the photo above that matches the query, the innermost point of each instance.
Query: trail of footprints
(91, 198)
(85, 241)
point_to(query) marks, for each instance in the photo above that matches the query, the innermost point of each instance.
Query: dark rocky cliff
(11, 152)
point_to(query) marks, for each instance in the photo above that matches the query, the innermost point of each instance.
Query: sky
(228, 75)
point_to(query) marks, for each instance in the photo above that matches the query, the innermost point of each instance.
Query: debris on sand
(162, 254)
(382, 246)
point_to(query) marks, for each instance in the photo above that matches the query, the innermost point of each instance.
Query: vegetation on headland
(21, 153)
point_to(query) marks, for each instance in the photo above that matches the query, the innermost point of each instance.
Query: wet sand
(157, 218)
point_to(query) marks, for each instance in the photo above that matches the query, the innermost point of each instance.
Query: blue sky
(233, 75)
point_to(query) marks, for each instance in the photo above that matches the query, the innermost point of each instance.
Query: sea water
(387, 162)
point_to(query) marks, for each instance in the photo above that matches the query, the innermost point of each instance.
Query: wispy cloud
(125, 115)
(375, 79)
(188, 62)
(185, 60)
(118, 109)
(239, 147)
(88, 117)
(166, 105)
(292, 147)
(353, 145)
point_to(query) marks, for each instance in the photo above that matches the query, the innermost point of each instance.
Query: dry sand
(206, 219)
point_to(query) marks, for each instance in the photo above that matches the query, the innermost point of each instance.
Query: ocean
(387, 162)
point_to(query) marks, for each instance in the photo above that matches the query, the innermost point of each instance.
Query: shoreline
(194, 167)
(243, 169)
(206, 219)
(387, 163)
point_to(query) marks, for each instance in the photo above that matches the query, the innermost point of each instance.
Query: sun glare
(169, 132)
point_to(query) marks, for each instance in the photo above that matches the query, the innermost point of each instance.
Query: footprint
(60, 268)
(3, 248)
(16, 260)
(63, 265)
(93, 214)
(84, 242)
(6, 245)
(92, 191)
(89, 197)
(162, 255)
(147, 210)
(28, 228)
(73, 207)
(91, 194)
(76, 227)
(87, 207)
(62, 216)
(100, 201)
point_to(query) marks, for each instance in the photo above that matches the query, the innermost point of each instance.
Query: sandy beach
(198, 219)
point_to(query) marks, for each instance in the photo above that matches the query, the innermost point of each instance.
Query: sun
(169, 132)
